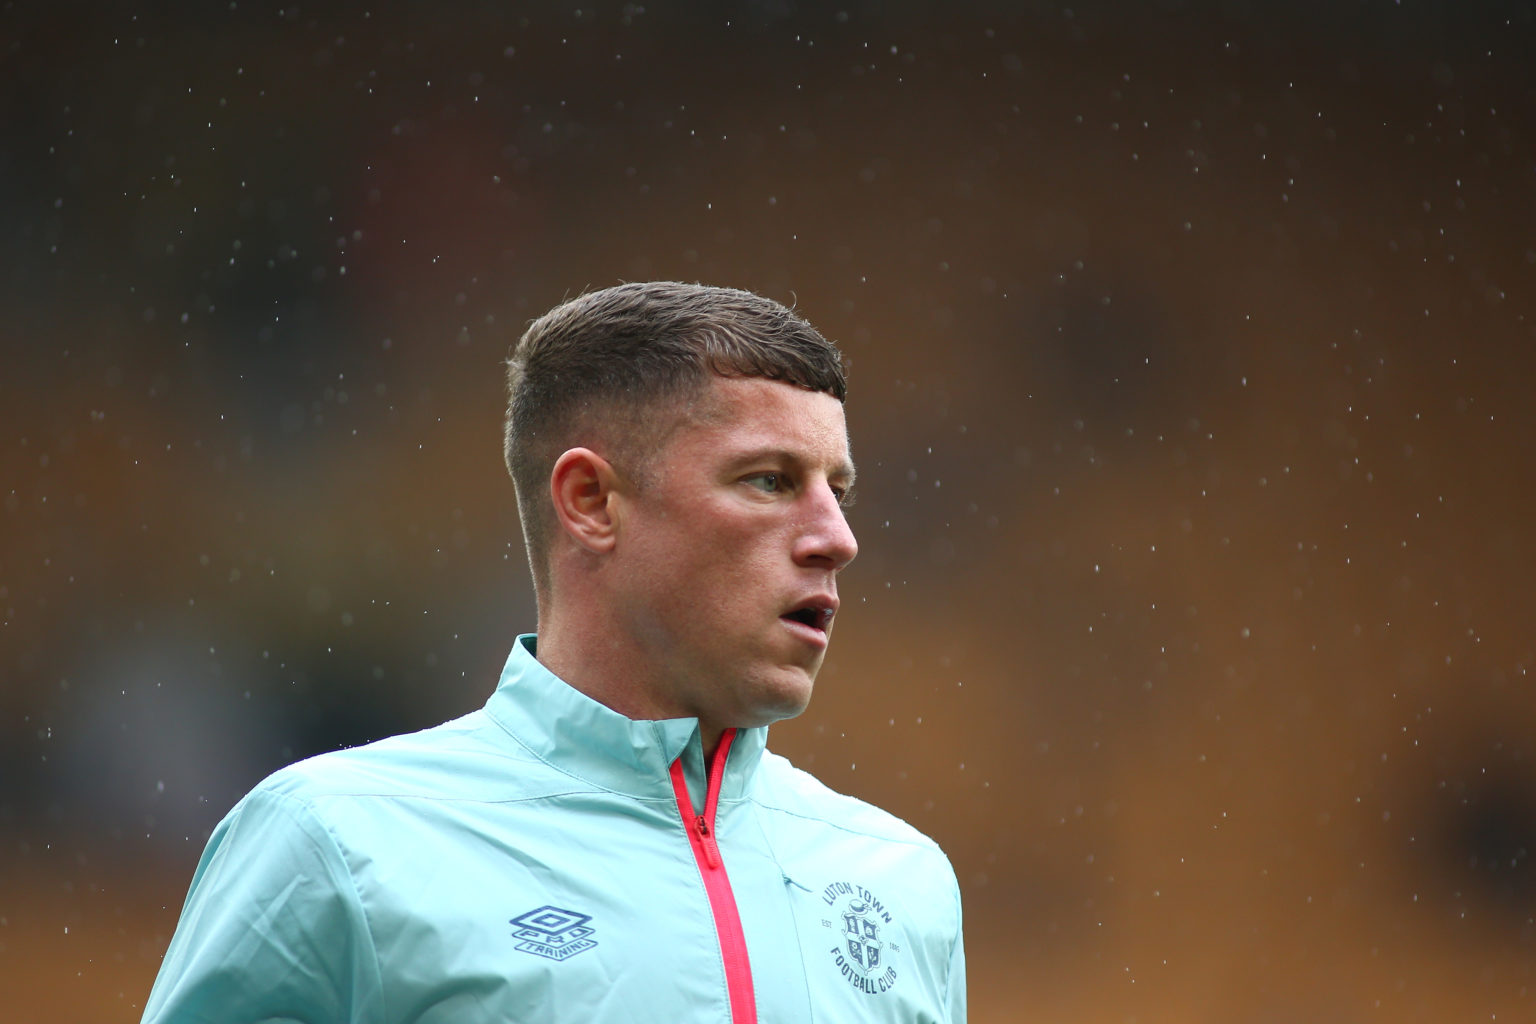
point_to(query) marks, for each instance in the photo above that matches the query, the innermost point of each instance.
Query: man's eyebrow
(842, 475)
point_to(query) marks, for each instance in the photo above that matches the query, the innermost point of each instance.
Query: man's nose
(827, 539)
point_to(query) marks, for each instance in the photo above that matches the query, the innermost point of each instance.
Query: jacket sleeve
(272, 928)
(956, 976)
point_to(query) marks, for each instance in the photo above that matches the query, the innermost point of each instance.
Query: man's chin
(785, 701)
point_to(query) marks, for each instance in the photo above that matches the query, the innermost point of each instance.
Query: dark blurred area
(1190, 345)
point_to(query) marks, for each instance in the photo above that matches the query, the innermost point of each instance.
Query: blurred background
(1190, 347)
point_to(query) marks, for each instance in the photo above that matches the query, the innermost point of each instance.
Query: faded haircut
(595, 371)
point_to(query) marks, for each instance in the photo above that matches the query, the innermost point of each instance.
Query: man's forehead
(728, 398)
(770, 414)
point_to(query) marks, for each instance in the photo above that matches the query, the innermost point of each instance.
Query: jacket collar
(575, 734)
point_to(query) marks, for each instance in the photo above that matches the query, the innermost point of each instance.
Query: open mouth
(817, 617)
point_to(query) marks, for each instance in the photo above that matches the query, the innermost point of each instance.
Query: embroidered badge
(553, 932)
(865, 951)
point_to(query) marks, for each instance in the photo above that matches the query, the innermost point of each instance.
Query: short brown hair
(591, 369)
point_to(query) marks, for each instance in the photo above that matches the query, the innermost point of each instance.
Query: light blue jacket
(535, 861)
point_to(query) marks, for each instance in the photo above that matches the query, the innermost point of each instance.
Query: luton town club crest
(866, 948)
(554, 933)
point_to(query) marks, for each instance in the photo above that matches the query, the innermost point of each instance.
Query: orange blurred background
(1189, 347)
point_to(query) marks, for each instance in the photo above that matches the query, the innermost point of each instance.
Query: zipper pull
(711, 851)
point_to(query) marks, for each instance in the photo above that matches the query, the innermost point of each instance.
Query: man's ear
(582, 486)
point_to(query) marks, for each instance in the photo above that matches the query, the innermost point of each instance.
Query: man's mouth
(815, 614)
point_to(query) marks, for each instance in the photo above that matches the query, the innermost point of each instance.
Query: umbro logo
(553, 932)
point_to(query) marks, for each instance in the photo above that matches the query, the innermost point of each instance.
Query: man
(607, 839)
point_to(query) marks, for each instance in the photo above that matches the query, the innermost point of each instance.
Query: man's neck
(594, 664)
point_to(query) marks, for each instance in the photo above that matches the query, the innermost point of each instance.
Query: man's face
(727, 556)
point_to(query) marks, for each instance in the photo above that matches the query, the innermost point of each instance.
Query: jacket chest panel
(831, 937)
(860, 963)
(513, 914)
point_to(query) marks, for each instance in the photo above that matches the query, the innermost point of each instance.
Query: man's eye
(768, 483)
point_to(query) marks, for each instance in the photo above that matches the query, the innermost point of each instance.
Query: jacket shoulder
(792, 791)
(470, 757)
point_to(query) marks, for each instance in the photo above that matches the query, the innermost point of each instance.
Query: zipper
(722, 902)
